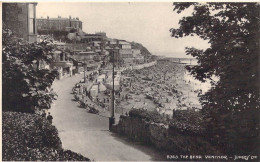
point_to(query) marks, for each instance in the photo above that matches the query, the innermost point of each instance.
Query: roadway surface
(88, 134)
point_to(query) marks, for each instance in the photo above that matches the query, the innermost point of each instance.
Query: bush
(150, 116)
(30, 137)
(26, 83)
(188, 121)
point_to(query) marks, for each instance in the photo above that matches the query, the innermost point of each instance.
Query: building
(20, 18)
(139, 59)
(136, 52)
(62, 63)
(124, 45)
(85, 56)
(45, 25)
(111, 42)
(87, 38)
(60, 45)
(126, 55)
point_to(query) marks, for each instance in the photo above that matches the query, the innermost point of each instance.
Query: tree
(231, 106)
(26, 85)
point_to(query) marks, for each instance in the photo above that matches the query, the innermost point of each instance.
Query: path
(88, 134)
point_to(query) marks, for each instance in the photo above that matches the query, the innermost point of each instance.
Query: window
(31, 19)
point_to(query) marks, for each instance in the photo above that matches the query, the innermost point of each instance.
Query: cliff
(143, 49)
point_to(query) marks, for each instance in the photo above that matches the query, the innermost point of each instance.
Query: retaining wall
(136, 67)
(163, 137)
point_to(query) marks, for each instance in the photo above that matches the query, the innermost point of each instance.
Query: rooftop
(59, 18)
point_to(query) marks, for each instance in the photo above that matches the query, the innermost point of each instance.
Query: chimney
(70, 17)
(47, 17)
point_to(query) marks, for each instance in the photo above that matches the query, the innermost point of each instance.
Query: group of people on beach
(163, 84)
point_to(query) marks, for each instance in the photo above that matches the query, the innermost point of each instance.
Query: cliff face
(143, 50)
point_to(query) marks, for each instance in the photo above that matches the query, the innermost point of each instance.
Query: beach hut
(102, 87)
(94, 91)
(101, 78)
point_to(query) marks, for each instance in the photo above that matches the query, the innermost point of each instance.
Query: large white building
(124, 45)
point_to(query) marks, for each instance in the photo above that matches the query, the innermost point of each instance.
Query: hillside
(63, 36)
(144, 50)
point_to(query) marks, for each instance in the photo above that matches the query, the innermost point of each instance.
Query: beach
(164, 87)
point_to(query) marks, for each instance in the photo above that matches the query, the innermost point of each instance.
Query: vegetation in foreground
(30, 137)
(231, 107)
(27, 88)
(26, 82)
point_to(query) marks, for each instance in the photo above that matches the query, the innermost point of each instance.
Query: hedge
(30, 137)
(187, 121)
(150, 116)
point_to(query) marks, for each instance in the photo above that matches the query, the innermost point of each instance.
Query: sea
(196, 84)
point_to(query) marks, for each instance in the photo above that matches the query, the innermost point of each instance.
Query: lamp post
(84, 71)
(112, 118)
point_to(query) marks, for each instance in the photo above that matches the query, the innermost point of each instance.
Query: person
(49, 117)
(44, 114)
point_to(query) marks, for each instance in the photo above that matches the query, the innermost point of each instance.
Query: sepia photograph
(130, 81)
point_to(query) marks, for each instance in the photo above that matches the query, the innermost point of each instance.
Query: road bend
(88, 134)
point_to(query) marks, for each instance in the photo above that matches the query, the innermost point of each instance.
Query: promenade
(88, 134)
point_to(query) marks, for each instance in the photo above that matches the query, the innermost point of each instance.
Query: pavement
(88, 134)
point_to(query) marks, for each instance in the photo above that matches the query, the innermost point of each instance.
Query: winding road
(88, 134)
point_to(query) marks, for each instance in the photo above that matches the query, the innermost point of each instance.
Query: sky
(147, 23)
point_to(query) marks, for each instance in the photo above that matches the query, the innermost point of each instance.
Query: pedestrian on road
(44, 114)
(49, 117)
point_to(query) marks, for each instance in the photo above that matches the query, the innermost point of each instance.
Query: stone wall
(141, 66)
(163, 137)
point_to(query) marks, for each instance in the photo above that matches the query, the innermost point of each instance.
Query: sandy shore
(163, 87)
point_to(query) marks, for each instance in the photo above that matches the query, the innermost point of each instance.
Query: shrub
(26, 82)
(30, 137)
(188, 121)
(150, 116)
